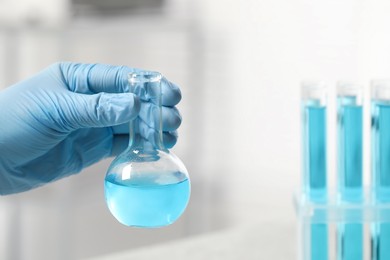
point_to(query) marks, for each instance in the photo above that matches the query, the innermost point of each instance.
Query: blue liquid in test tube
(314, 161)
(381, 164)
(350, 167)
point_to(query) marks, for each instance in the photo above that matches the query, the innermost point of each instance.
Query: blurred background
(239, 64)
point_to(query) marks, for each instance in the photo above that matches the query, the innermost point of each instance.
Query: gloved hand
(68, 117)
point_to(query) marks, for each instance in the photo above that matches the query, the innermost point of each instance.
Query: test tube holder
(333, 212)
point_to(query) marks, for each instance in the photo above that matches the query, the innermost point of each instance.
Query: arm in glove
(70, 116)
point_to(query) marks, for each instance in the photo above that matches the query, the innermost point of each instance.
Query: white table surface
(262, 241)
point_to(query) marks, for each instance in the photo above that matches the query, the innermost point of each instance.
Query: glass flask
(147, 185)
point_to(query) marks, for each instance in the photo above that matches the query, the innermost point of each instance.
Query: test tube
(380, 116)
(350, 165)
(314, 160)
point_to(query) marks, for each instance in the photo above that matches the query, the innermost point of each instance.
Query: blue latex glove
(62, 120)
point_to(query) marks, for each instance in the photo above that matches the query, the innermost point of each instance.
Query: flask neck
(152, 142)
(147, 86)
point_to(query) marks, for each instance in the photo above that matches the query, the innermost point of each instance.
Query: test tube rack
(332, 213)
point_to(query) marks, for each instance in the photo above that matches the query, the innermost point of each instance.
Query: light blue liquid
(381, 151)
(381, 174)
(350, 239)
(350, 149)
(143, 201)
(381, 241)
(350, 172)
(314, 171)
(314, 131)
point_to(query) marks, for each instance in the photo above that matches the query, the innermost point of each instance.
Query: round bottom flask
(147, 185)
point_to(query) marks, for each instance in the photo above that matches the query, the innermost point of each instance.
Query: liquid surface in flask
(147, 199)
